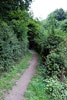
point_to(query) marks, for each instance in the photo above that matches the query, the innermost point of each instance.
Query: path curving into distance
(17, 93)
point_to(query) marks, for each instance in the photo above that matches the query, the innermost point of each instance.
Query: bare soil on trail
(17, 93)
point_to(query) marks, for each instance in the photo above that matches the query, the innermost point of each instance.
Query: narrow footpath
(18, 91)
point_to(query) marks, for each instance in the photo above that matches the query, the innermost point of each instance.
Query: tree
(60, 14)
(64, 25)
(6, 6)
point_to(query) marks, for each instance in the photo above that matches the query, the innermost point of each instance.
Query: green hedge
(10, 49)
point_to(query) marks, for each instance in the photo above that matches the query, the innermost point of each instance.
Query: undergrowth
(8, 79)
(45, 87)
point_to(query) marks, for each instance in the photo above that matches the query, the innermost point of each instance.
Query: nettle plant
(55, 89)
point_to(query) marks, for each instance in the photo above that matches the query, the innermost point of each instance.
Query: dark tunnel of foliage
(19, 32)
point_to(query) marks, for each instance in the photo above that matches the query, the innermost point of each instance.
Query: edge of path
(17, 92)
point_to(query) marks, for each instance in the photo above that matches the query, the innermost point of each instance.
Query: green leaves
(10, 49)
(7, 6)
(63, 25)
(55, 89)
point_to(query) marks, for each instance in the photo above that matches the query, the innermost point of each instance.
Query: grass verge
(7, 80)
(36, 87)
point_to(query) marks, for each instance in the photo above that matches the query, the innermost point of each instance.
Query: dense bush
(48, 42)
(19, 23)
(63, 25)
(52, 45)
(55, 89)
(33, 32)
(53, 41)
(56, 62)
(10, 49)
(13, 31)
(13, 38)
(20, 30)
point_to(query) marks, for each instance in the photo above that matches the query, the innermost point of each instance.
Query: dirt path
(17, 93)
